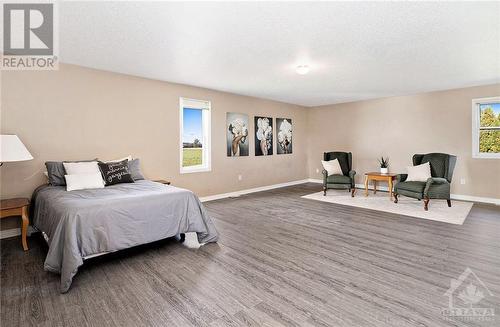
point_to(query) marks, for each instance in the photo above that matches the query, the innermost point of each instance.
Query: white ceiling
(355, 50)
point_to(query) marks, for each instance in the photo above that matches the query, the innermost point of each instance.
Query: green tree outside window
(489, 138)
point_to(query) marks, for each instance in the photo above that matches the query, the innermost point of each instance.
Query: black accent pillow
(115, 172)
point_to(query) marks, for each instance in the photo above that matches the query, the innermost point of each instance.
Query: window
(194, 135)
(486, 128)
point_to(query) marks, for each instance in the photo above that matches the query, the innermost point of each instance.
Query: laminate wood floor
(281, 260)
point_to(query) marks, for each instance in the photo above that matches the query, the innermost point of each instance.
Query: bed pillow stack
(86, 174)
(56, 172)
(82, 175)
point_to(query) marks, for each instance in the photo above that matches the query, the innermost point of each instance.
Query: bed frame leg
(182, 237)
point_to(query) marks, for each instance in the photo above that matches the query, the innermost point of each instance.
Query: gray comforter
(86, 222)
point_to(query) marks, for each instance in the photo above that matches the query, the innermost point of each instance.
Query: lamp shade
(12, 149)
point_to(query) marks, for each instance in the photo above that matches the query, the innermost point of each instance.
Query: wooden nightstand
(17, 207)
(162, 181)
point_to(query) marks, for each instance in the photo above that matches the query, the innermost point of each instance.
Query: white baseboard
(10, 233)
(459, 197)
(471, 198)
(13, 232)
(250, 190)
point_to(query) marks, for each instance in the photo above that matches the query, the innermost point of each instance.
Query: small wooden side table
(162, 181)
(17, 207)
(375, 177)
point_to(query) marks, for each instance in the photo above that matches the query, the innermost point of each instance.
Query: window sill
(486, 156)
(186, 170)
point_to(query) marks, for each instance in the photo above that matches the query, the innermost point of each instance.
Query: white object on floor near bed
(191, 241)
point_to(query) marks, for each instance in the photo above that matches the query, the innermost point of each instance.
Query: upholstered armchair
(436, 187)
(337, 181)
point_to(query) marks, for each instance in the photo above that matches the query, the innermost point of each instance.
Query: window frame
(206, 108)
(476, 128)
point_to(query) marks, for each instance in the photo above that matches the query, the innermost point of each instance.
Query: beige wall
(79, 113)
(399, 127)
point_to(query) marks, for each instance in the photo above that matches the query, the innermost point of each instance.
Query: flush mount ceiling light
(302, 69)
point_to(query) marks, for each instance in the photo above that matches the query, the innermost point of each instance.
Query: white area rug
(438, 209)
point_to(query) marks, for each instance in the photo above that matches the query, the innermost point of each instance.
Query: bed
(81, 224)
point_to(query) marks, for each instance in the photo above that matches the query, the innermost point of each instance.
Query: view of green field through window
(489, 129)
(192, 147)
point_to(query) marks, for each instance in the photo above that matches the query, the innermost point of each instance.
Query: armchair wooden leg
(353, 191)
(395, 198)
(449, 203)
(324, 190)
(426, 204)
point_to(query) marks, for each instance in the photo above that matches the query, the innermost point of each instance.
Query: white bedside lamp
(12, 149)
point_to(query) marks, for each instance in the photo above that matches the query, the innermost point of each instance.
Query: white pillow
(83, 181)
(129, 158)
(332, 167)
(77, 168)
(419, 173)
